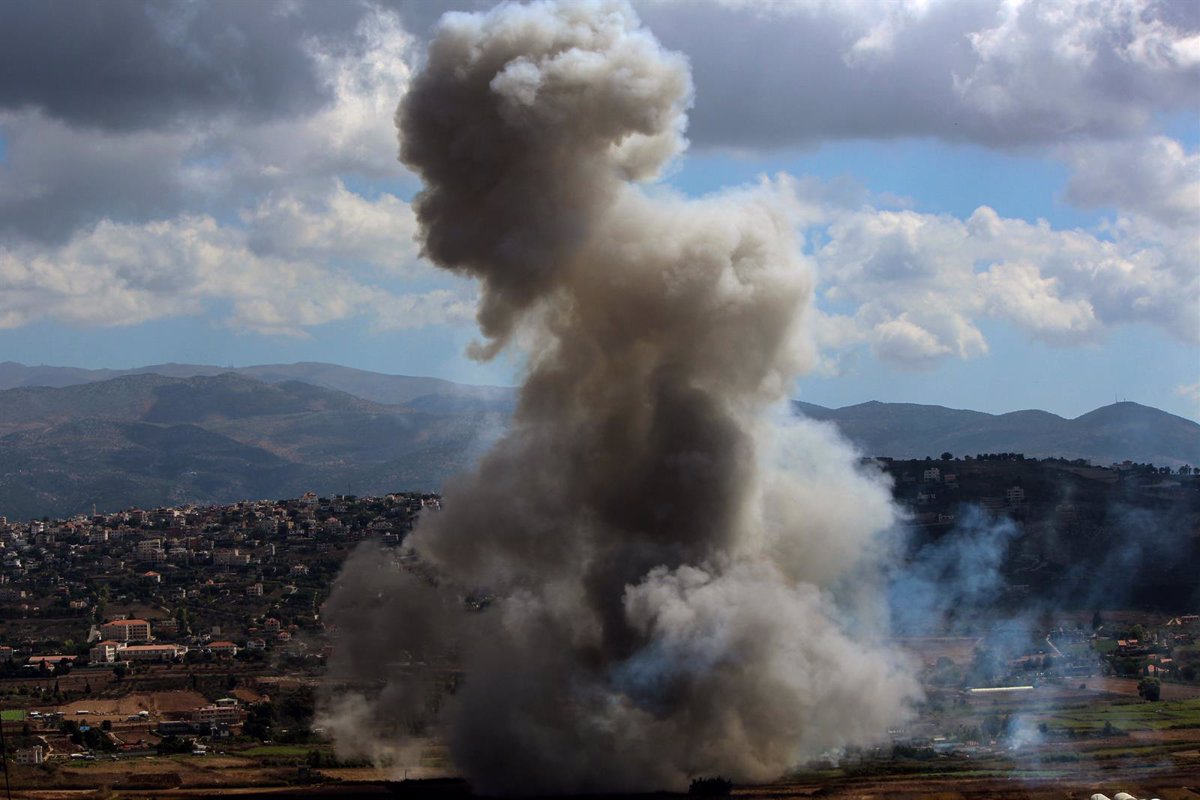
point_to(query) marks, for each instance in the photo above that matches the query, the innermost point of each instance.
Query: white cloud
(119, 226)
(56, 178)
(996, 72)
(915, 286)
(126, 273)
(250, 215)
(1153, 177)
(352, 134)
(336, 228)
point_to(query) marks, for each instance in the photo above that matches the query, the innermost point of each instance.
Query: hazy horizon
(1100, 403)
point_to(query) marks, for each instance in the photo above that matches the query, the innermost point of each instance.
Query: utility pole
(4, 758)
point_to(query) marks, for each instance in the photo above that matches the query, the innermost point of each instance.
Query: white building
(104, 652)
(151, 652)
(31, 756)
(126, 630)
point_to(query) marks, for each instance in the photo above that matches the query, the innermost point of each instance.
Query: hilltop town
(175, 633)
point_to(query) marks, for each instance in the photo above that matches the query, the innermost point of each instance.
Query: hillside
(199, 434)
(1110, 434)
(151, 440)
(376, 386)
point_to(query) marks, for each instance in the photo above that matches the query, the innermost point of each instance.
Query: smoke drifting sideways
(654, 573)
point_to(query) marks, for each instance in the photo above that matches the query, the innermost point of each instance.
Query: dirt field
(157, 703)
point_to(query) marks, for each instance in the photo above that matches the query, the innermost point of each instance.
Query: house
(50, 661)
(1015, 495)
(31, 756)
(126, 630)
(227, 713)
(104, 652)
(230, 558)
(223, 648)
(254, 590)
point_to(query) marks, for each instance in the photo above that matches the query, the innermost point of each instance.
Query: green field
(1126, 717)
(13, 715)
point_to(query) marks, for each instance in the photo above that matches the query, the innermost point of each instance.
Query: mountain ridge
(377, 386)
(1109, 434)
(142, 438)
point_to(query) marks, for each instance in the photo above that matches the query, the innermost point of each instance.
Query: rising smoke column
(682, 583)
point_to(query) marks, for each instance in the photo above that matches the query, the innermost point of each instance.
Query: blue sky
(265, 218)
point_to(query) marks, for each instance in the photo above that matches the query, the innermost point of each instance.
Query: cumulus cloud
(1156, 177)
(338, 227)
(134, 64)
(212, 177)
(125, 273)
(61, 173)
(254, 120)
(1001, 74)
(914, 286)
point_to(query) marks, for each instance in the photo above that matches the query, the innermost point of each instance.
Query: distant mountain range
(1109, 434)
(177, 433)
(391, 389)
(149, 440)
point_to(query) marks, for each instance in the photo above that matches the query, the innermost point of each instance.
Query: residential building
(223, 648)
(30, 756)
(151, 652)
(104, 652)
(228, 714)
(126, 630)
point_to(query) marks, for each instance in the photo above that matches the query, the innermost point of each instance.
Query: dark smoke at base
(678, 581)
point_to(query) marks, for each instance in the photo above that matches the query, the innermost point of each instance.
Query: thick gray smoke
(652, 575)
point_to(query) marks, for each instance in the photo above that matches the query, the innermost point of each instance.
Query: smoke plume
(652, 575)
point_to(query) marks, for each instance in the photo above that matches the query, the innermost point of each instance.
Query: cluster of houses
(205, 566)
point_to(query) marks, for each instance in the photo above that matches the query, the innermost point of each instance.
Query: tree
(1097, 620)
(947, 456)
(1150, 689)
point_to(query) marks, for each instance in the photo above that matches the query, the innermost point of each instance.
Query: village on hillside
(187, 635)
